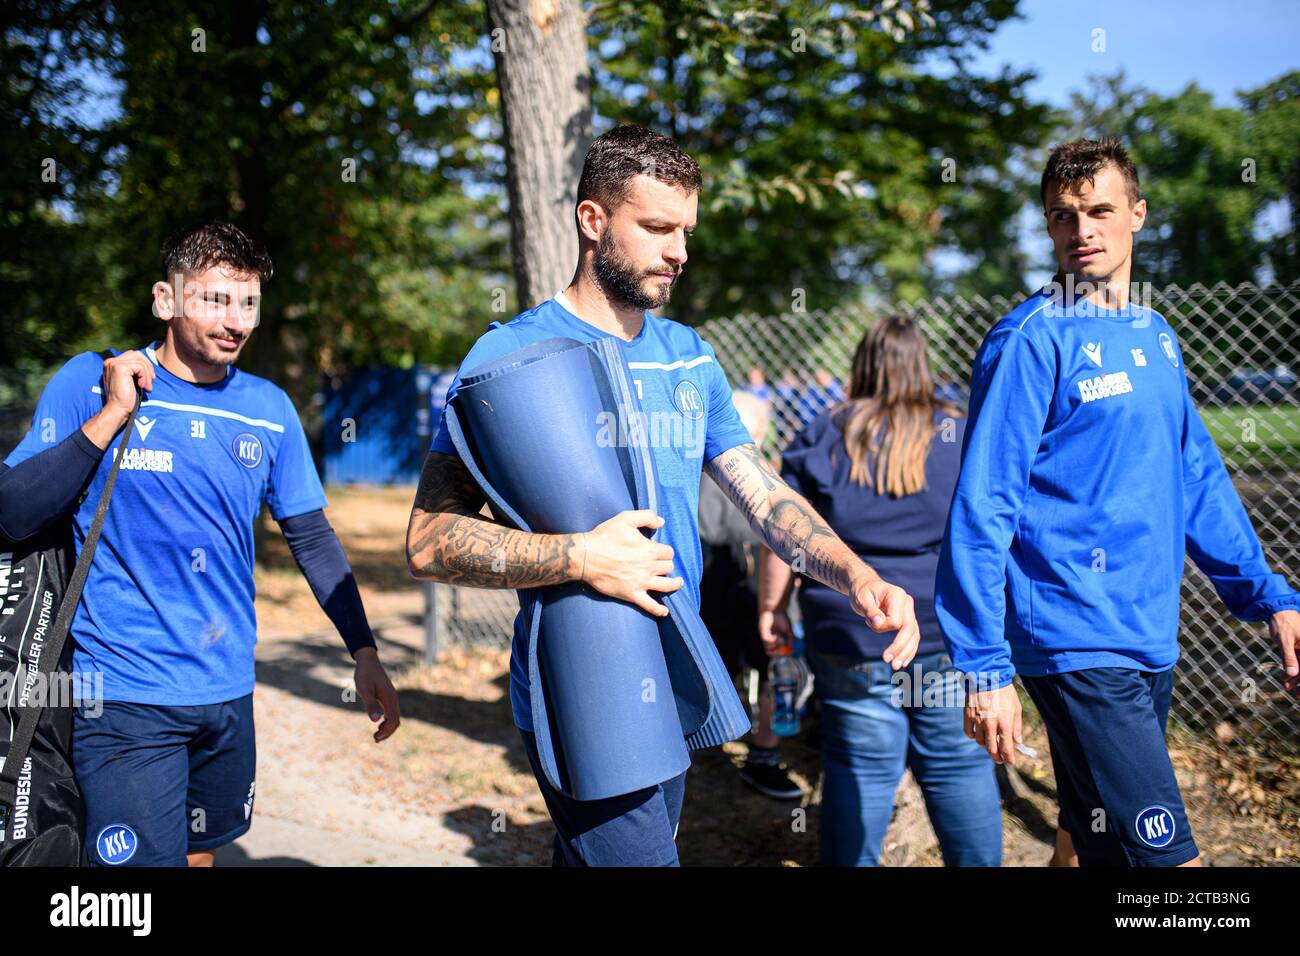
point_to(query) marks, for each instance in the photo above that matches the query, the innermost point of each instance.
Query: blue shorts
(635, 829)
(1118, 795)
(160, 782)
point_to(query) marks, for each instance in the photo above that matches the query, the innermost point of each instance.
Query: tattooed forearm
(786, 522)
(478, 553)
(447, 540)
(747, 479)
(798, 534)
(447, 485)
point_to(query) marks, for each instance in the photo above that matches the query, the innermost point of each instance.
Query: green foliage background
(824, 131)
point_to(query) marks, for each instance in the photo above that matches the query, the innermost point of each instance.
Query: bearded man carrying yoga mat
(636, 207)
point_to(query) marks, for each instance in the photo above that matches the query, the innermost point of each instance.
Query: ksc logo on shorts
(1155, 826)
(116, 844)
(248, 449)
(687, 399)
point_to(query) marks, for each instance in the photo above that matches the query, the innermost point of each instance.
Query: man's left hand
(377, 692)
(887, 607)
(1284, 627)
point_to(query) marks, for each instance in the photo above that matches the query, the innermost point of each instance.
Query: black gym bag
(41, 814)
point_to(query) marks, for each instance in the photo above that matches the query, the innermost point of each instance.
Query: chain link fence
(1241, 347)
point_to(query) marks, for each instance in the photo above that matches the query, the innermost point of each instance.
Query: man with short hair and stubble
(636, 208)
(1086, 476)
(166, 617)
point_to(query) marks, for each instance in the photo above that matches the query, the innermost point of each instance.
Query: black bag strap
(26, 727)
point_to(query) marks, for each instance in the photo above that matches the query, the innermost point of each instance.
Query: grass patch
(1256, 438)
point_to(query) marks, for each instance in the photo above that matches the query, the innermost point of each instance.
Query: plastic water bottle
(784, 676)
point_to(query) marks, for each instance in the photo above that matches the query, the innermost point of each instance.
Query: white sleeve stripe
(680, 363)
(1044, 305)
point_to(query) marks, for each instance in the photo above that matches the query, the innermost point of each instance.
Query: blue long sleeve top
(1087, 475)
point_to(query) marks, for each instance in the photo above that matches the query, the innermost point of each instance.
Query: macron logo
(1093, 351)
(144, 426)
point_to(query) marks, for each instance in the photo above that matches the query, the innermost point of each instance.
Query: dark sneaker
(771, 780)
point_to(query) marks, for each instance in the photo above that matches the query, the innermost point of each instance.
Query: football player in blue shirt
(166, 762)
(636, 207)
(1087, 473)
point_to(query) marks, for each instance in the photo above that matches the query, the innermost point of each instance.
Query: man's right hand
(623, 563)
(992, 719)
(121, 373)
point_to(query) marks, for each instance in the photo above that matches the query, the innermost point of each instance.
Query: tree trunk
(540, 47)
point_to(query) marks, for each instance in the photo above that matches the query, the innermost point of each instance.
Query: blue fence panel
(378, 423)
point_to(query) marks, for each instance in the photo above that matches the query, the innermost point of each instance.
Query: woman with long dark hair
(881, 468)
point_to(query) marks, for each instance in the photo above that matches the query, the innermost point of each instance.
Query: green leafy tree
(1273, 137)
(838, 156)
(1203, 207)
(343, 134)
(51, 297)
(843, 147)
(1209, 173)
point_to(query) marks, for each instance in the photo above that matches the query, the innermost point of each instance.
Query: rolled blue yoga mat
(619, 696)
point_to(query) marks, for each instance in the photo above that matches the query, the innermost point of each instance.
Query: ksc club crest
(116, 844)
(1155, 826)
(688, 400)
(247, 449)
(1167, 346)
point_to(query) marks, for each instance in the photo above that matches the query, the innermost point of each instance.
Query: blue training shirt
(676, 374)
(167, 612)
(1086, 472)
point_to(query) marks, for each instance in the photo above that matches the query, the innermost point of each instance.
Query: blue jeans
(868, 739)
(635, 829)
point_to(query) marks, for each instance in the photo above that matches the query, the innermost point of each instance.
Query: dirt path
(326, 793)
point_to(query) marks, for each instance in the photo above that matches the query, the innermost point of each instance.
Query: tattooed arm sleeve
(784, 519)
(448, 540)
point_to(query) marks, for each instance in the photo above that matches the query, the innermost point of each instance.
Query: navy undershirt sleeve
(320, 556)
(39, 489)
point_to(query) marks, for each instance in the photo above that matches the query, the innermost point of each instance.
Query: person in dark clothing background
(881, 469)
